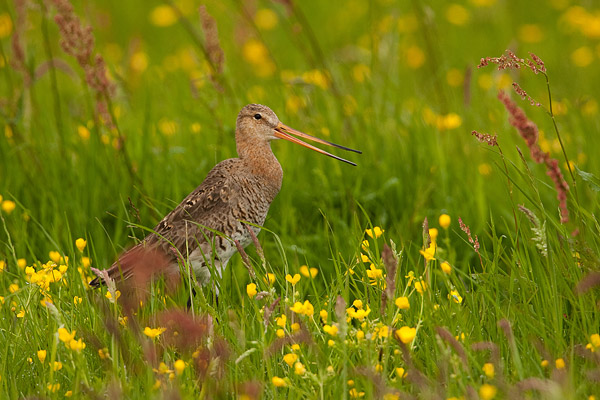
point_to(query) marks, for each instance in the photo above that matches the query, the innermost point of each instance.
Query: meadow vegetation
(459, 260)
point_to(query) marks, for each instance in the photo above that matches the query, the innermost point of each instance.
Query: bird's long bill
(285, 132)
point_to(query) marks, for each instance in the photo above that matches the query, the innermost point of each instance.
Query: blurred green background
(398, 80)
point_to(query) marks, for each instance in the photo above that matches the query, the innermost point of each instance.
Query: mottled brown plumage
(236, 191)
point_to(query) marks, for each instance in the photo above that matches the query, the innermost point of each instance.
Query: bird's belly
(224, 249)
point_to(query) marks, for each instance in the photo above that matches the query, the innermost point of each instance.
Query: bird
(234, 198)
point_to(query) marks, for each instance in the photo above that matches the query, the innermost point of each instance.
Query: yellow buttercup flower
(179, 366)
(54, 256)
(80, 244)
(487, 391)
(77, 345)
(6, 25)
(403, 303)
(429, 253)
(375, 232)
(559, 363)
(488, 370)
(57, 366)
(420, 286)
(457, 14)
(331, 329)
(265, 19)
(251, 289)
(64, 335)
(290, 358)
(299, 368)
(270, 278)
(280, 321)
(163, 16)
(445, 266)
(41, 354)
(406, 334)
(364, 258)
(454, 295)
(308, 272)
(21, 263)
(153, 332)
(305, 309)
(278, 382)
(280, 333)
(8, 206)
(292, 279)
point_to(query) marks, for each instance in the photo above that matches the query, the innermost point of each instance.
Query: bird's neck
(262, 163)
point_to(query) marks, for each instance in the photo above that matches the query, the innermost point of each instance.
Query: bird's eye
(257, 116)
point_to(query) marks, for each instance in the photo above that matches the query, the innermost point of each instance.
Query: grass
(512, 319)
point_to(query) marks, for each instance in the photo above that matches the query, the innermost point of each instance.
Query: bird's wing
(208, 208)
(184, 229)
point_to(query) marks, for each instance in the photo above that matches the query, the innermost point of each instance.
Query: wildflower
(77, 300)
(309, 273)
(402, 303)
(359, 314)
(429, 253)
(433, 234)
(487, 391)
(292, 279)
(21, 263)
(68, 393)
(6, 25)
(278, 382)
(375, 232)
(83, 132)
(41, 354)
(281, 320)
(406, 334)
(488, 370)
(64, 335)
(355, 393)
(8, 206)
(374, 274)
(21, 314)
(445, 266)
(323, 314)
(559, 363)
(365, 245)
(103, 353)
(364, 258)
(179, 366)
(582, 57)
(594, 342)
(400, 372)
(457, 14)
(251, 289)
(544, 363)
(295, 327)
(420, 286)
(57, 366)
(54, 256)
(280, 333)
(109, 296)
(163, 16)
(265, 19)
(86, 262)
(299, 368)
(76, 345)
(152, 333)
(382, 332)
(53, 387)
(270, 278)
(415, 57)
(331, 329)
(80, 244)
(295, 347)
(357, 303)
(454, 295)
(290, 358)
(360, 335)
(2, 265)
(306, 308)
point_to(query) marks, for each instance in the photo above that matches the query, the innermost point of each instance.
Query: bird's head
(257, 123)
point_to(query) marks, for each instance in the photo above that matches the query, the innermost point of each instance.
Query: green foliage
(398, 81)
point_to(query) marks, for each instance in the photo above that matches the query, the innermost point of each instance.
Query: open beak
(285, 132)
